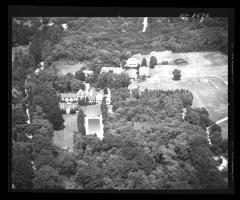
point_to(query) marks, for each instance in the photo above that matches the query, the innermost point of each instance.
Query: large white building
(131, 67)
(70, 100)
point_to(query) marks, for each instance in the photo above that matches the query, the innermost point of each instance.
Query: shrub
(176, 75)
(73, 111)
(153, 62)
(144, 62)
(63, 111)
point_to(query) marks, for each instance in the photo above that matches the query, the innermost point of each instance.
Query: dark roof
(68, 95)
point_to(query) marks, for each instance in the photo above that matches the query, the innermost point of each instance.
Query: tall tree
(153, 62)
(80, 123)
(144, 62)
(176, 74)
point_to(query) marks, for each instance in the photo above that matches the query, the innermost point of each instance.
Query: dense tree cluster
(22, 32)
(219, 146)
(41, 93)
(32, 155)
(146, 148)
(112, 80)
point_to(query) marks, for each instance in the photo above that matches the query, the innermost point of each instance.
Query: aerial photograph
(119, 103)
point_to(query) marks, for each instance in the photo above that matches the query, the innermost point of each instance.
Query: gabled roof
(80, 91)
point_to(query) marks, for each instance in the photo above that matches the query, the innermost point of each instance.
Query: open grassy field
(64, 138)
(205, 75)
(66, 66)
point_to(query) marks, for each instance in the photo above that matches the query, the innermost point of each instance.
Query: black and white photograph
(120, 103)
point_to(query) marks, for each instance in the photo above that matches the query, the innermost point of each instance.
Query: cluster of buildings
(132, 68)
(70, 100)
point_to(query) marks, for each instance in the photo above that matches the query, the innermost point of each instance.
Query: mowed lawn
(64, 138)
(65, 67)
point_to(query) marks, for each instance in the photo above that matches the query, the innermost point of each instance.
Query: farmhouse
(69, 100)
(131, 67)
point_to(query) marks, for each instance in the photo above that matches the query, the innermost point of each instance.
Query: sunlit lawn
(63, 138)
